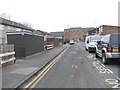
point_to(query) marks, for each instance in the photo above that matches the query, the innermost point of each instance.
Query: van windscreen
(95, 39)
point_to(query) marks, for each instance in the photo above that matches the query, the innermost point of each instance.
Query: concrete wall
(3, 37)
(26, 45)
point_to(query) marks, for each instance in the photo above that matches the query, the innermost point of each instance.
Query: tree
(5, 16)
(28, 25)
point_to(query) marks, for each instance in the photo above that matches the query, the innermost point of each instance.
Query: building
(58, 35)
(76, 33)
(92, 32)
(26, 41)
(108, 29)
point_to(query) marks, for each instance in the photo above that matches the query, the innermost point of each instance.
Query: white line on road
(113, 82)
(76, 66)
(79, 57)
(103, 65)
(101, 68)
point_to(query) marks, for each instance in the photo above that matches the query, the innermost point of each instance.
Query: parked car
(90, 42)
(64, 42)
(108, 48)
(71, 42)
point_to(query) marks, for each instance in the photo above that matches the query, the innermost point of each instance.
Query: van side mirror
(99, 42)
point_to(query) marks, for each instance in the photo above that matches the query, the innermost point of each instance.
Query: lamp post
(69, 31)
(96, 27)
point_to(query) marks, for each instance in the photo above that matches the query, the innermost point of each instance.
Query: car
(108, 48)
(71, 42)
(64, 42)
(90, 42)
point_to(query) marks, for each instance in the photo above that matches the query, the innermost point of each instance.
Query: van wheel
(104, 59)
(96, 55)
(89, 50)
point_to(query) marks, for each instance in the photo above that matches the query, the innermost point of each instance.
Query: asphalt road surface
(79, 69)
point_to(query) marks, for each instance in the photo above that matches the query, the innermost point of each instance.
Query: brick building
(108, 29)
(76, 33)
(92, 32)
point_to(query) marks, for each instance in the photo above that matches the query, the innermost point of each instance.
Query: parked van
(90, 42)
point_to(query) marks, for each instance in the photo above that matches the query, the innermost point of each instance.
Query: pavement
(16, 74)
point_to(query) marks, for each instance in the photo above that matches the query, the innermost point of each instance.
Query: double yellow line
(37, 79)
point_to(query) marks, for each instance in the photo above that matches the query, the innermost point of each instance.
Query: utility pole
(96, 27)
(69, 31)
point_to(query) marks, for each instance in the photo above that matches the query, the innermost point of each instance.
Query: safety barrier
(6, 54)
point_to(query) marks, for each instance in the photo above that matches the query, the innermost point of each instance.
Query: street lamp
(69, 31)
(96, 27)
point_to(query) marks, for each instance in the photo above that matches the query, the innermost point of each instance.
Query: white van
(90, 42)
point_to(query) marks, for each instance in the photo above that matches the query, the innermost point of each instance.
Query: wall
(3, 37)
(108, 29)
(76, 33)
(55, 40)
(26, 45)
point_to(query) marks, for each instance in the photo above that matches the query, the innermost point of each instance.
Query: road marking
(101, 68)
(103, 65)
(76, 66)
(109, 71)
(118, 78)
(79, 57)
(37, 79)
(113, 82)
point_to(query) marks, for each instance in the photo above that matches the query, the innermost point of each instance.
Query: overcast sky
(56, 15)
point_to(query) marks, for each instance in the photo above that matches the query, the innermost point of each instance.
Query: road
(79, 69)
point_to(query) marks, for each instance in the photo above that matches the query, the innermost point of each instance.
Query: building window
(2, 40)
(18, 29)
(1, 27)
(9, 27)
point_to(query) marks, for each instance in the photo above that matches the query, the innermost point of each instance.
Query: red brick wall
(75, 33)
(106, 29)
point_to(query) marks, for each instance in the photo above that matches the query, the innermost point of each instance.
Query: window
(18, 29)
(2, 40)
(115, 39)
(1, 27)
(9, 27)
(106, 39)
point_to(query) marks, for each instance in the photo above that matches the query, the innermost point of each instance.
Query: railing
(6, 48)
(6, 53)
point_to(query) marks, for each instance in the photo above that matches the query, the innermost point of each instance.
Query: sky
(57, 15)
